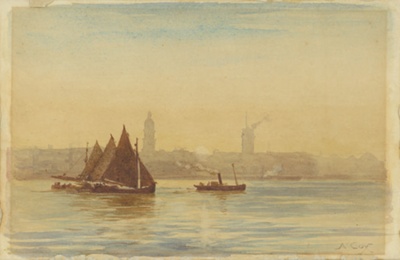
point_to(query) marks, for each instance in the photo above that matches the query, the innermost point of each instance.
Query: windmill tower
(248, 136)
(247, 139)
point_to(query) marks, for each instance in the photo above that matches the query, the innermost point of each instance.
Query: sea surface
(270, 217)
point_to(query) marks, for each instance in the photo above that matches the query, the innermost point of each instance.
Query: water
(269, 218)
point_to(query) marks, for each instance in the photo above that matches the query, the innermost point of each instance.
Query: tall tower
(248, 139)
(149, 141)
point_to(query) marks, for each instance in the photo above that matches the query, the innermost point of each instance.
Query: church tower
(149, 141)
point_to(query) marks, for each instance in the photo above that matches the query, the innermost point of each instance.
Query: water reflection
(175, 221)
(224, 195)
(224, 198)
(131, 205)
(116, 206)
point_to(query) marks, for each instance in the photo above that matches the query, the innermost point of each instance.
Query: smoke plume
(197, 167)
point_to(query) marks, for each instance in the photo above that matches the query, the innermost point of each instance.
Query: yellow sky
(317, 71)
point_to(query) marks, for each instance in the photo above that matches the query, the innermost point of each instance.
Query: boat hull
(86, 187)
(114, 189)
(240, 187)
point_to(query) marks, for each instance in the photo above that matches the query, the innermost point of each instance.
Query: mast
(87, 151)
(138, 162)
(234, 173)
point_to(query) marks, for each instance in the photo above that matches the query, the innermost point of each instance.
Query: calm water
(270, 217)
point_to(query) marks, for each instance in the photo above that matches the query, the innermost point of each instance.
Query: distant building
(149, 141)
(248, 140)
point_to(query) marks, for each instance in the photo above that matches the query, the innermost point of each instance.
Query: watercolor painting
(198, 129)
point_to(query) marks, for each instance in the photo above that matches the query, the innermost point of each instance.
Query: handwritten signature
(360, 247)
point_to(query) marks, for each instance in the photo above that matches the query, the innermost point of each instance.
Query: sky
(316, 70)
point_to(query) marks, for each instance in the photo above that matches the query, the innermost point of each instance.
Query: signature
(361, 247)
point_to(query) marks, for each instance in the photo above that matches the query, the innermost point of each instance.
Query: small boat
(59, 186)
(118, 169)
(220, 186)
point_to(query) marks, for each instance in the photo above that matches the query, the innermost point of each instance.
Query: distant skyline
(318, 71)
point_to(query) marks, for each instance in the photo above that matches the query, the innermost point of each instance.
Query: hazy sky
(317, 71)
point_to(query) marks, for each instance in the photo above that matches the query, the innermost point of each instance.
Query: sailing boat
(117, 169)
(220, 186)
(90, 164)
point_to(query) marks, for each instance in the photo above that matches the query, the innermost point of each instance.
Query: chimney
(219, 179)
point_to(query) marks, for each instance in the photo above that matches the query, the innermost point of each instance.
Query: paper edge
(392, 248)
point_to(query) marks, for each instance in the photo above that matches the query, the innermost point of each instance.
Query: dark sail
(145, 178)
(104, 162)
(122, 168)
(115, 169)
(92, 161)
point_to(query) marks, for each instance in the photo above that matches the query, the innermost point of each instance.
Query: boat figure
(220, 186)
(117, 169)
